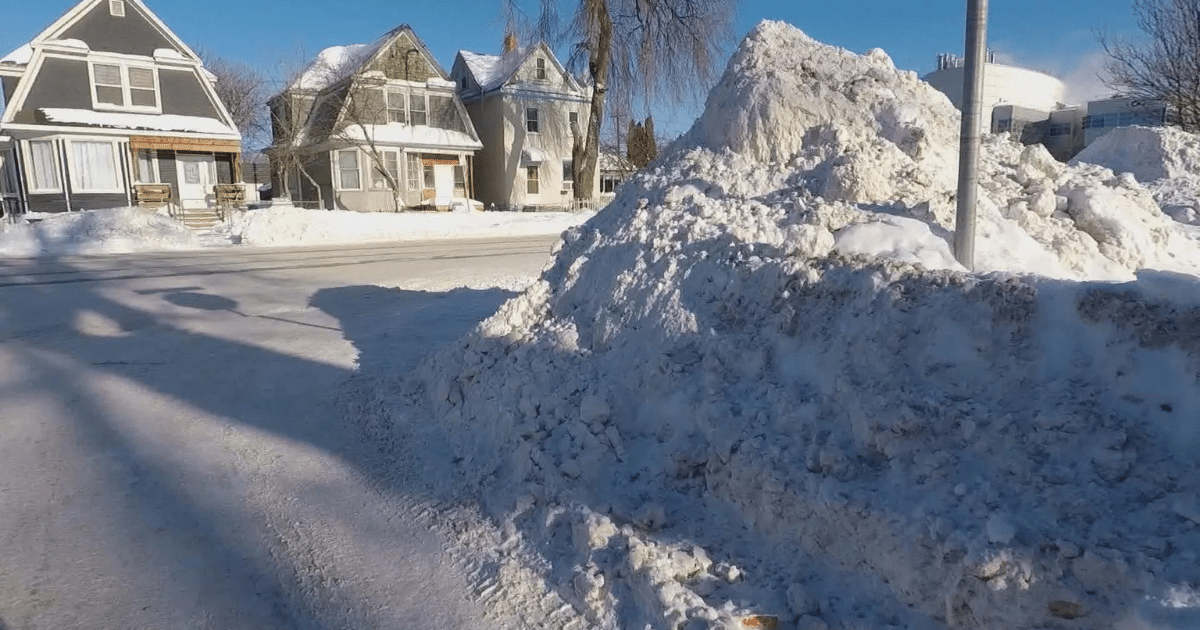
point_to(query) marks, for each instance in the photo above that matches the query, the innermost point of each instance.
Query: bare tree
(653, 49)
(244, 91)
(1165, 64)
(364, 111)
(290, 109)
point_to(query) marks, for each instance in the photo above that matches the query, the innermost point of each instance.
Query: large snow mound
(759, 383)
(1166, 160)
(291, 226)
(115, 231)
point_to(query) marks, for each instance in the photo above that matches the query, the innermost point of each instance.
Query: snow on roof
(168, 53)
(20, 56)
(414, 135)
(77, 44)
(151, 122)
(338, 62)
(491, 71)
(532, 155)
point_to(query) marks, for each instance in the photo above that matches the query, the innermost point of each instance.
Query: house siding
(61, 83)
(8, 86)
(48, 203)
(405, 61)
(490, 163)
(184, 95)
(129, 35)
(224, 168)
(58, 202)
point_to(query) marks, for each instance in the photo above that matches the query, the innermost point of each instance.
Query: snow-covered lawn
(126, 230)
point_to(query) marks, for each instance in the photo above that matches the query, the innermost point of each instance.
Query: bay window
(43, 167)
(414, 171)
(391, 166)
(349, 176)
(94, 167)
(417, 109)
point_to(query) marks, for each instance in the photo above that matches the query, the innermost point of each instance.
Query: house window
(416, 106)
(395, 107)
(348, 170)
(609, 183)
(573, 121)
(460, 177)
(532, 180)
(541, 69)
(116, 8)
(147, 166)
(391, 162)
(119, 85)
(43, 167)
(94, 167)
(462, 83)
(568, 171)
(430, 182)
(414, 171)
(531, 120)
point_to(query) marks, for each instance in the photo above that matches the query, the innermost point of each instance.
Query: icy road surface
(172, 452)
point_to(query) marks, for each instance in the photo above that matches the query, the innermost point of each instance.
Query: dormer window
(540, 74)
(116, 8)
(120, 85)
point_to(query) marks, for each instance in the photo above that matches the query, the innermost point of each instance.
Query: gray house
(374, 128)
(107, 98)
(528, 109)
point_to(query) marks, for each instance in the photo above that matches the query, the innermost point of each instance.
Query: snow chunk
(20, 56)
(414, 135)
(152, 122)
(1164, 159)
(168, 53)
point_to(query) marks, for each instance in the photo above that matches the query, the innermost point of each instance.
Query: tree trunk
(587, 159)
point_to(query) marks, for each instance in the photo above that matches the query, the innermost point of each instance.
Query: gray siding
(183, 94)
(48, 203)
(58, 202)
(130, 35)
(167, 172)
(60, 83)
(224, 168)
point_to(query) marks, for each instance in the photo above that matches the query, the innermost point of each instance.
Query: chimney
(510, 43)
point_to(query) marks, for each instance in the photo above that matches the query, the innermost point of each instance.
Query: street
(172, 447)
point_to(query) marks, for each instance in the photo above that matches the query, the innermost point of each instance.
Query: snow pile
(116, 231)
(1166, 160)
(154, 122)
(758, 382)
(286, 225)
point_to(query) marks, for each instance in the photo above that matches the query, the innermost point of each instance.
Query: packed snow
(152, 122)
(116, 231)
(1165, 160)
(758, 383)
(491, 71)
(414, 135)
(297, 226)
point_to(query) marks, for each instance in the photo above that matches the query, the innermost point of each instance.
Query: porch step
(198, 219)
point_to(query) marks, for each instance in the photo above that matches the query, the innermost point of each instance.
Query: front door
(197, 176)
(443, 178)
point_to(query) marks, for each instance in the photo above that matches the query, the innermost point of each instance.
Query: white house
(528, 110)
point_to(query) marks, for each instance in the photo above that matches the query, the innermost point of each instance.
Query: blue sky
(1052, 35)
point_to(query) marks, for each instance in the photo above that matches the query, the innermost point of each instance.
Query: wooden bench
(153, 195)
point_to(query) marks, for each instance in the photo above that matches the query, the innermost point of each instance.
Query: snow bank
(117, 231)
(758, 381)
(282, 226)
(1166, 160)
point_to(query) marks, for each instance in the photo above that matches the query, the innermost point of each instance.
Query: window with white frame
(118, 85)
(532, 180)
(94, 167)
(147, 166)
(42, 169)
(568, 172)
(531, 120)
(460, 176)
(540, 70)
(391, 166)
(395, 107)
(430, 179)
(609, 183)
(349, 177)
(417, 109)
(414, 171)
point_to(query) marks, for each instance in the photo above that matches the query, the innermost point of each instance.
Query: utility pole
(972, 112)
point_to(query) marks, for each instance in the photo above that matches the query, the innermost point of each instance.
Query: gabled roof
(336, 63)
(52, 34)
(492, 72)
